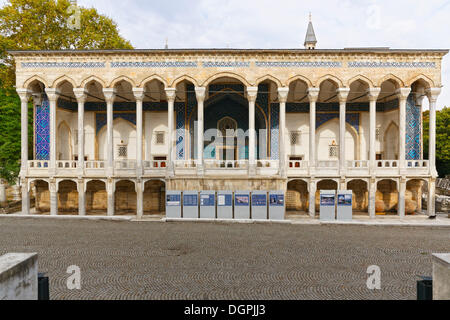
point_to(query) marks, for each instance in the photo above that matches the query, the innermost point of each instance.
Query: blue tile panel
(413, 130)
(274, 131)
(180, 113)
(42, 134)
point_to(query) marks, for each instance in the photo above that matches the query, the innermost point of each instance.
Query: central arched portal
(226, 128)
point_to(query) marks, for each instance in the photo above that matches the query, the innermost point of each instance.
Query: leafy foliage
(442, 139)
(40, 25)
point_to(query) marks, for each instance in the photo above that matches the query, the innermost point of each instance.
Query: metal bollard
(43, 287)
(425, 289)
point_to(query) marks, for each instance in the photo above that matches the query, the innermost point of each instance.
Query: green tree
(41, 25)
(442, 139)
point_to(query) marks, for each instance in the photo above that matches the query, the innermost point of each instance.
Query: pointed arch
(182, 78)
(393, 78)
(59, 81)
(64, 147)
(29, 81)
(394, 147)
(122, 78)
(361, 78)
(268, 77)
(426, 80)
(151, 78)
(338, 82)
(87, 80)
(301, 78)
(226, 75)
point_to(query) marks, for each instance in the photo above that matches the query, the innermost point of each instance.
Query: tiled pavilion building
(115, 129)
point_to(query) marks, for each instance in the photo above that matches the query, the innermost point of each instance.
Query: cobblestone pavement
(151, 260)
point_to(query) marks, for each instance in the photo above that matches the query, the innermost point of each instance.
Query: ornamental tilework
(101, 119)
(375, 64)
(155, 64)
(350, 118)
(274, 131)
(413, 130)
(299, 64)
(225, 64)
(42, 134)
(66, 65)
(180, 111)
(191, 116)
(215, 88)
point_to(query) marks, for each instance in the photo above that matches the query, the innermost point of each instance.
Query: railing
(298, 164)
(125, 164)
(328, 164)
(155, 164)
(66, 164)
(226, 164)
(419, 164)
(94, 164)
(358, 164)
(387, 164)
(267, 163)
(187, 164)
(38, 164)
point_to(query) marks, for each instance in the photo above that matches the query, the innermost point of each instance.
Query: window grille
(378, 134)
(123, 151)
(295, 137)
(334, 151)
(160, 137)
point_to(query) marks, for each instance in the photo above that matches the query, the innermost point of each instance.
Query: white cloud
(282, 24)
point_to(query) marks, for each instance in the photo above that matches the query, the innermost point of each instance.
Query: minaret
(310, 40)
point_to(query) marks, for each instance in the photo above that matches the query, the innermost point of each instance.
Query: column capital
(139, 94)
(283, 94)
(373, 93)
(342, 94)
(110, 94)
(403, 93)
(52, 94)
(171, 94)
(433, 93)
(200, 93)
(252, 93)
(80, 94)
(313, 94)
(24, 94)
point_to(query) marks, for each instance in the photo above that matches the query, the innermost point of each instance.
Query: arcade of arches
(114, 130)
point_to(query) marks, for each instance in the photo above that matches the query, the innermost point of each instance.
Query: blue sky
(402, 24)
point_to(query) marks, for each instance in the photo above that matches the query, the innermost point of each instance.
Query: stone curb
(397, 223)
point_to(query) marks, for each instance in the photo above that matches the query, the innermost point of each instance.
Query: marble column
(53, 188)
(401, 197)
(140, 199)
(81, 198)
(52, 95)
(24, 98)
(252, 93)
(81, 96)
(432, 94)
(312, 198)
(200, 93)
(171, 96)
(402, 94)
(110, 95)
(282, 97)
(139, 96)
(313, 96)
(372, 197)
(342, 96)
(110, 190)
(2, 191)
(373, 94)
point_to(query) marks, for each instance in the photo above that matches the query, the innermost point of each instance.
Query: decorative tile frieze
(225, 64)
(64, 65)
(299, 64)
(375, 64)
(154, 64)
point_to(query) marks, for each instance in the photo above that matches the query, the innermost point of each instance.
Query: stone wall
(19, 276)
(228, 183)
